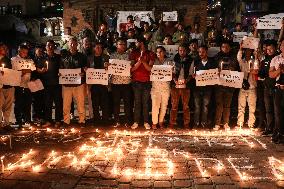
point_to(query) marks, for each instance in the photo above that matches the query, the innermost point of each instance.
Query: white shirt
(275, 62)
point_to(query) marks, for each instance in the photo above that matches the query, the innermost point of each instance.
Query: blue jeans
(141, 100)
(201, 102)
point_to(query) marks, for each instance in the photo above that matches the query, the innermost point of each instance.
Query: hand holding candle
(46, 62)
(3, 66)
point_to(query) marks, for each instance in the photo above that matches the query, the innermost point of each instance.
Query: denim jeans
(141, 100)
(202, 98)
(279, 110)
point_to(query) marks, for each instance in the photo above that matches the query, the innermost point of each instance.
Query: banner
(207, 77)
(137, 15)
(231, 78)
(250, 42)
(238, 36)
(171, 50)
(119, 67)
(23, 64)
(170, 16)
(96, 76)
(70, 76)
(35, 86)
(11, 77)
(271, 21)
(161, 73)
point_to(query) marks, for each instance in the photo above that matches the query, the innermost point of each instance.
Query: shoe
(126, 125)
(161, 125)
(65, 125)
(47, 124)
(147, 126)
(275, 137)
(8, 128)
(267, 132)
(216, 128)
(134, 126)
(116, 125)
(186, 126)
(82, 124)
(57, 124)
(227, 127)
(203, 125)
(154, 126)
(171, 126)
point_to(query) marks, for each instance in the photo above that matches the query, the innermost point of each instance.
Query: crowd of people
(263, 83)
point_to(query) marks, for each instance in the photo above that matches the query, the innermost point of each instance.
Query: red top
(141, 74)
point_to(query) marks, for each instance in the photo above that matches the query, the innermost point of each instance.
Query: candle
(194, 69)
(221, 65)
(46, 65)
(2, 164)
(3, 65)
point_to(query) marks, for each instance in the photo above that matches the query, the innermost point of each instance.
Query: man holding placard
(74, 89)
(121, 86)
(202, 94)
(7, 91)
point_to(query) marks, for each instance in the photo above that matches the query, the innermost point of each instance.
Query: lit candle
(194, 69)
(3, 66)
(221, 66)
(46, 65)
(2, 164)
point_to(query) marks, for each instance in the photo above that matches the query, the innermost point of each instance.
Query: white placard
(238, 36)
(250, 42)
(212, 51)
(35, 86)
(11, 77)
(161, 73)
(231, 78)
(137, 15)
(23, 64)
(271, 21)
(170, 16)
(207, 77)
(70, 76)
(119, 67)
(171, 51)
(96, 76)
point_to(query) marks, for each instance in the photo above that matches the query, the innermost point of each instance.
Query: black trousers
(260, 107)
(268, 95)
(38, 104)
(279, 110)
(123, 91)
(99, 95)
(23, 102)
(53, 94)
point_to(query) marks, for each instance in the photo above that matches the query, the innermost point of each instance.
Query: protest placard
(96, 76)
(212, 51)
(161, 73)
(250, 42)
(170, 16)
(238, 36)
(119, 67)
(70, 76)
(171, 51)
(231, 78)
(11, 77)
(23, 64)
(35, 86)
(207, 77)
(271, 21)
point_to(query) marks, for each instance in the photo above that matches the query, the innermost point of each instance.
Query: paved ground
(97, 158)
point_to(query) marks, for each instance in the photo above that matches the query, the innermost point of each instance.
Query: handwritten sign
(70, 76)
(271, 21)
(119, 67)
(23, 64)
(207, 77)
(212, 51)
(161, 73)
(96, 76)
(171, 51)
(170, 16)
(11, 77)
(238, 36)
(250, 42)
(35, 86)
(231, 78)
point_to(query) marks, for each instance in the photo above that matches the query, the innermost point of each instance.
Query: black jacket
(184, 63)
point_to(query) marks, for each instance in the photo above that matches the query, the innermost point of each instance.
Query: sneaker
(154, 126)
(216, 128)
(147, 126)
(116, 125)
(161, 125)
(134, 126)
(203, 125)
(47, 124)
(126, 125)
(227, 127)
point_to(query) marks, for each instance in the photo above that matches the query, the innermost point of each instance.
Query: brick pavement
(107, 158)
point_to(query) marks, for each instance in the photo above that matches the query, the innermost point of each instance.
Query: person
(202, 94)
(160, 92)
(193, 47)
(23, 97)
(49, 70)
(267, 84)
(99, 93)
(143, 60)
(277, 71)
(6, 92)
(180, 87)
(121, 87)
(180, 35)
(73, 60)
(249, 65)
(196, 34)
(226, 61)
